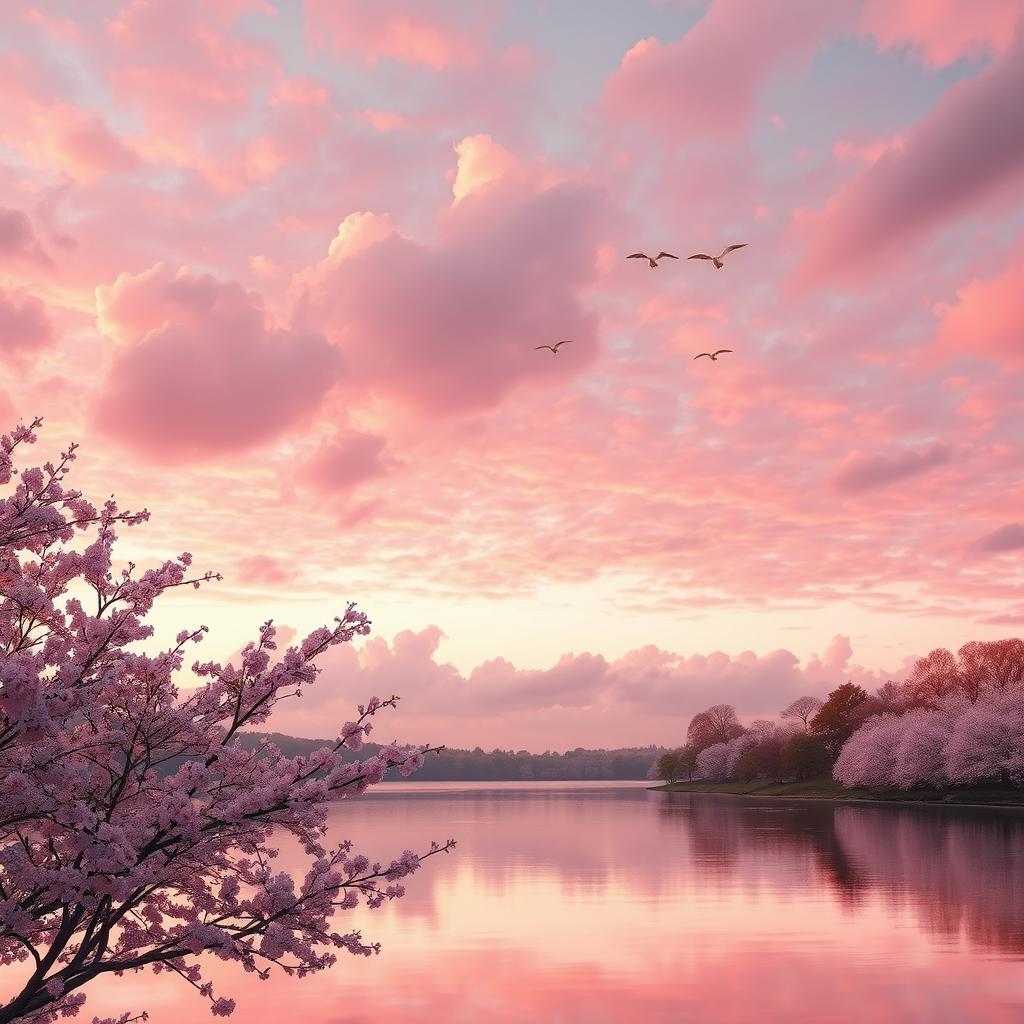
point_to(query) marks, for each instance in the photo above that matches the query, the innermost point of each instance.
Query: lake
(584, 903)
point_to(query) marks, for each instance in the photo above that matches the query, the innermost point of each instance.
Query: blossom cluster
(959, 742)
(135, 830)
(719, 762)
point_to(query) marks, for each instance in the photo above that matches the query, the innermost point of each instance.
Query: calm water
(590, 903)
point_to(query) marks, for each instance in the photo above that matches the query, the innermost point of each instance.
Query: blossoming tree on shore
(135, 831)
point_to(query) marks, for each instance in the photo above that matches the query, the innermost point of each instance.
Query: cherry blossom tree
(987, 742)
(135, 831)
(959, 742)
(957, 720)
(920, 753)
(868, 757)
(735, 749)
(713, 762)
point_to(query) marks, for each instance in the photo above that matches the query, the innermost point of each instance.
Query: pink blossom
(713, 762)
(956, 742)
(987, 744)
(352, 735)
(90, 726)
(868, 757)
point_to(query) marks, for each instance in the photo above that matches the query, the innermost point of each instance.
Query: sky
(280, 269)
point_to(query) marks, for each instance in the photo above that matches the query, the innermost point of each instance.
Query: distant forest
(479, 765)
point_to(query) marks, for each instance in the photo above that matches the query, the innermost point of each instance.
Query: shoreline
(826, 790)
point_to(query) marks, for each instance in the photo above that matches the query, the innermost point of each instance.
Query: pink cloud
(451, 327)
(181, 60)
(24, 326)
(347, 460)
(263, 569)
(646, 696)
(18, 242)
(192, 73)
(1007, 538)
(860, 472)
(1003, 620)
(987, 320)
(191, 342)
(942, 32)
(50, 132)
(481, 162)
(449, 34)
(835, 660)
(708, 82)
(965, 149)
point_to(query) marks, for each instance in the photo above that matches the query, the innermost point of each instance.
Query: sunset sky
(281, 269)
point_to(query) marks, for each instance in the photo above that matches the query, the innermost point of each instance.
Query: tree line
(957, 719)
(478, 765)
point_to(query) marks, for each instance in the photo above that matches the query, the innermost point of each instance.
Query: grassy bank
(827, 789)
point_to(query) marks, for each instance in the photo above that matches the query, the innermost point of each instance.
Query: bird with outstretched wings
(652, 260)
(554, 348)
(717, 260)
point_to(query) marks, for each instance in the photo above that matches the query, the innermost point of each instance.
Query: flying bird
(717, 260)
(653, 261)
(554, 348)
(713, 356)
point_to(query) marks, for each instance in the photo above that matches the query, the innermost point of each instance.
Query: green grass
(827, 789)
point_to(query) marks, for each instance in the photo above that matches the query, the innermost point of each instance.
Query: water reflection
(568, 903)
(959, 869)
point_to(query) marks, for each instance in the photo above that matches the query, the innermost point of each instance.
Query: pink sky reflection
(565, 905)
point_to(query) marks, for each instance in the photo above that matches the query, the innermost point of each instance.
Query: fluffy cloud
(865, 472)
(198, 371)
(646, 696)
(709, 81)
(451, 327)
